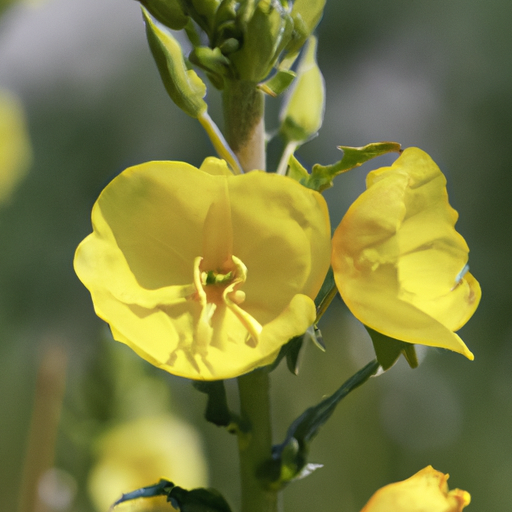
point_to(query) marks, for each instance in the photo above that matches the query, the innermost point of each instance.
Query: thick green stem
(255, 441)
(244, 106)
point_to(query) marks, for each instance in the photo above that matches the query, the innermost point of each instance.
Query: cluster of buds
(240, 40)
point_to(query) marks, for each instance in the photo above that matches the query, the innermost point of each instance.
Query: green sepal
(321, 176)
(296, 170)
(167, 12)
(290, 457)
(183, 85)
(196, 500)
(388, 350)
(217, 410)
(303, 112)
(279, 82)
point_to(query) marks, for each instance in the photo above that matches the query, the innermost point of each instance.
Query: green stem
(244, 106)
(255, 441)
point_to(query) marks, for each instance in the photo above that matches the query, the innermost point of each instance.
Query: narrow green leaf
(291, 454)
(162, 488)
(321, 176)
(183, 85)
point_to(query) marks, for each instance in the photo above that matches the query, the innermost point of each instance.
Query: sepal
(388, 350)
(217, 410)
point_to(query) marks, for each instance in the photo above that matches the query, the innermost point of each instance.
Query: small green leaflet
(322, 175)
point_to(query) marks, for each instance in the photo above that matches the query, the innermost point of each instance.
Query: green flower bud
(267, 29)
(167, 12)
(306, 15)
(183, 85)
(303, 113)
(202, 12)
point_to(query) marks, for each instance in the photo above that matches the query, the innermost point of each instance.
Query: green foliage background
(436, 75)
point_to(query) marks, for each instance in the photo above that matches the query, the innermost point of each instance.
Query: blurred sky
(437, 75)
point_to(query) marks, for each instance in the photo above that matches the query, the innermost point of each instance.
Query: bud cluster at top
(240, 40)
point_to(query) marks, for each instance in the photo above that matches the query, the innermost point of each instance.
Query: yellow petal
(426, 491)
(291, 221)
(398, 261)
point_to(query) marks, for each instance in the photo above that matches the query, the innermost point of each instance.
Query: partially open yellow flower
(398, 262)
(426, 491)
(203, 273)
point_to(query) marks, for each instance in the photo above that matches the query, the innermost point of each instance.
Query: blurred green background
(432, 74)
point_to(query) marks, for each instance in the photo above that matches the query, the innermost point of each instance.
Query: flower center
(216, 288)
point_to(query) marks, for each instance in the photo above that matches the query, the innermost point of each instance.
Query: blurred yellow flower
(399, 264)
(203, 273)
(426, 491)
(15, 149)
(138, 453)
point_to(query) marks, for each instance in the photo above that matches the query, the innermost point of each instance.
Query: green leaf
(321, 176)
(196, 500)
(388, 350)
(217, 410)
(162, 488)
(279, 82)
(289, 458)
(183, 85)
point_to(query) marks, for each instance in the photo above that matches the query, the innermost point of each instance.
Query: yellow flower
(426, 491)
(398, 262)
(203, 273)
(138, 453)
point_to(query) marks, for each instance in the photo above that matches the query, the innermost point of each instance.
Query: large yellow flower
(203, 273)
(426, 491)
(398, 262)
